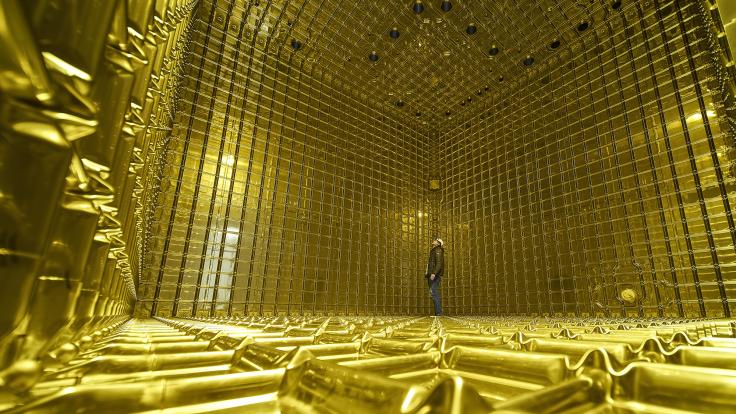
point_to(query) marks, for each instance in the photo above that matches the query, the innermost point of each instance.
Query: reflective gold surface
(598, 183)
(284, 192)
(77, 145)
(263, 179)
(603, 183)
(397, 365)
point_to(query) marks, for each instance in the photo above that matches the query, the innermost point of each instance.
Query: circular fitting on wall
(373, 56)
(394, 33)
(493, 51)
(471, 29)
(400, 103)
(629, 296)
(295, 44)
(583, 26)
(616, 4)
(418, 7)
(528, 61)
(555, 44)
(446, 6)
(448, 113)
(418, 114)
(500, 78)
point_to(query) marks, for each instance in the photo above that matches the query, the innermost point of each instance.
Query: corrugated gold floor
(397, 365)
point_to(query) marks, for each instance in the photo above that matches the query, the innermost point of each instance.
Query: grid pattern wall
(284, 192)
(599, 185)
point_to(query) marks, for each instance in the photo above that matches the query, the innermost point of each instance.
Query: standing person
(435, 269)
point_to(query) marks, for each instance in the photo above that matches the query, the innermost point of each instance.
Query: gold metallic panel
(350, 364)
(285, 192)
(601, 183)
(72, 164)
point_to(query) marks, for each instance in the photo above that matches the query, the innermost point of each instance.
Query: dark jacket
(436, 264)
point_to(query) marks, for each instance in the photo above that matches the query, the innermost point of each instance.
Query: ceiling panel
(435, 68)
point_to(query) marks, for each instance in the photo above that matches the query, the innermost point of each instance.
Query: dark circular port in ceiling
(494, 50)
(295, 44)
(400, 103)
(583, 26)
(616, 4)
(418, 114)
(500, 78)
(528, 61)
(471, 29)
(373, 57)
(394, 33)
(446, 6)
(418, 7)
(448, 113)
(480, 92)
(555, 44)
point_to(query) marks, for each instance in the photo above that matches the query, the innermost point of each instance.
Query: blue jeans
(434, 292)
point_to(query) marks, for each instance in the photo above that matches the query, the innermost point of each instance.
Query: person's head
(437, 242)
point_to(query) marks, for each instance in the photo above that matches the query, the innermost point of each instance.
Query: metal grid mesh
(599, 178)
(434, 65)
(284, 192)
(593, 185)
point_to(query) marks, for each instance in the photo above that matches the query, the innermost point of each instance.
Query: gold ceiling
(435, 65)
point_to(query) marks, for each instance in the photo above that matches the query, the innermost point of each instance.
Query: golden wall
(284, 190)
(87, 91)
(603, 183)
